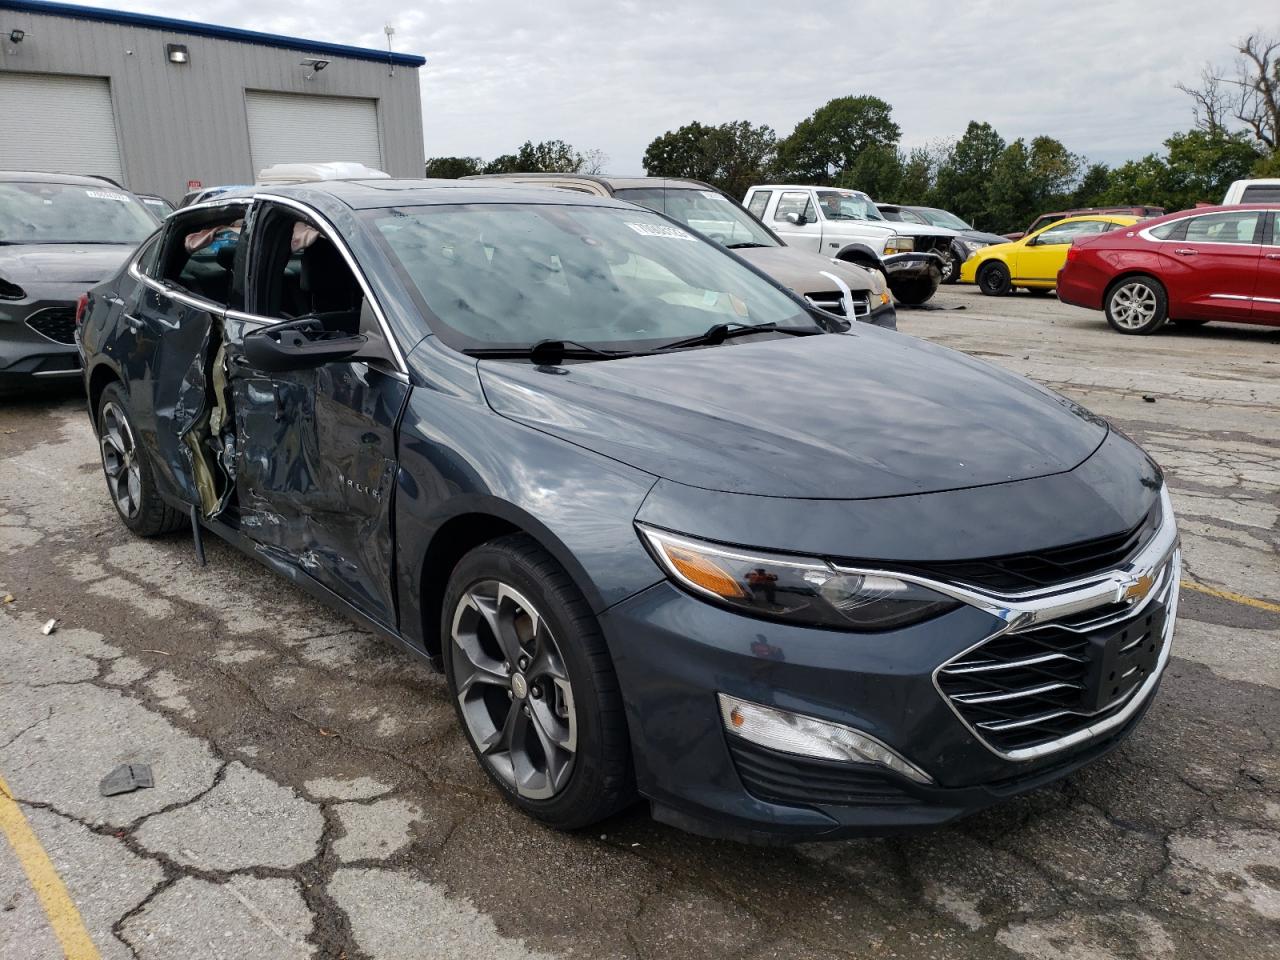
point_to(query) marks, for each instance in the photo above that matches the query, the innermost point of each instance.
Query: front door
(807, 233)
(1039, 257)
(1212, 270)
(316, 448)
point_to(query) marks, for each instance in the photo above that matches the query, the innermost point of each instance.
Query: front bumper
(913, 277)
(674, 654)
(37, 344)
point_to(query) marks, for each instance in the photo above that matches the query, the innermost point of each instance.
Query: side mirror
(797, 219)
(298, 345)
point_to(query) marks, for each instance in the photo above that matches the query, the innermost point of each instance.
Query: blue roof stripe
(103, 15)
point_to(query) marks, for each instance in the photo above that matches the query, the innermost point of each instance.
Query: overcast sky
(613, 74)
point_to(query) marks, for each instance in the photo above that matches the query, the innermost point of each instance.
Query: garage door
(58, 125)
(293, 128)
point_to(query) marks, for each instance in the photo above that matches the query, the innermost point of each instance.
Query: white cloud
(613, 74)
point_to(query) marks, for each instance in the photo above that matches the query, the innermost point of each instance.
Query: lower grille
(1037, 685)
(833, 302)
(785, 778)
(56, 323)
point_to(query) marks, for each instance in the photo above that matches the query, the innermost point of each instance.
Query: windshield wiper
(732, 328)
(741, 245)
(549, 352)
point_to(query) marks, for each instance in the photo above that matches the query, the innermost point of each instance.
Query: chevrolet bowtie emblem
(1138, 589)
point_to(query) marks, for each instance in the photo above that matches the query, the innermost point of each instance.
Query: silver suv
(845, 225)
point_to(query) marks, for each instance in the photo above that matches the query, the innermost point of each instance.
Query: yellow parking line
(63, 916)
(1233, 597)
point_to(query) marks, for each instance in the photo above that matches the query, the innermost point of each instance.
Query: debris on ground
(49, 627)
(126, 778)
(1148, 398)
(9, 598)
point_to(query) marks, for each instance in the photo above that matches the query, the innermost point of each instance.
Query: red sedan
(1193, 267)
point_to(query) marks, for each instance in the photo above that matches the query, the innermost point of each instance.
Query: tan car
(835, 286)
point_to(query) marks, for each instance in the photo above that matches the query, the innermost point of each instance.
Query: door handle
(1186, 251)
(1272, 256)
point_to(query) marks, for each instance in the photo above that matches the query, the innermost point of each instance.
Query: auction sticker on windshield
(660, 230)
(107, 195)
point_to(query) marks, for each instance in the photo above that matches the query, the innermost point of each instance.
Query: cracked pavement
(314, 797)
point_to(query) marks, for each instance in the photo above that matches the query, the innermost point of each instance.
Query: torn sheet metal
(127, 778)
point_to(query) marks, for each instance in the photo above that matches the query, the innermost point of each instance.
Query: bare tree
(1248, 93)
(594, 161)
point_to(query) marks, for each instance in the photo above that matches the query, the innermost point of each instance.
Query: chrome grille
(1030, 687)
(56, 323)
(833, 302)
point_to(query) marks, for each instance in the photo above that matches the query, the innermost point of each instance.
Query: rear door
(1266, 291)
(316, 448)
(1212, 269)
(807, 235)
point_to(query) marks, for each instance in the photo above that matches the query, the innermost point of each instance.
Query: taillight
(1072, 252)
(82, 306)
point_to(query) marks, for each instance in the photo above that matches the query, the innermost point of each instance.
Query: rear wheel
(127, 467)
(533, 685)
(1136, 305)
(994, 280)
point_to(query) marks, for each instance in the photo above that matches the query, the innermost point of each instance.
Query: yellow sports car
(1034, 261)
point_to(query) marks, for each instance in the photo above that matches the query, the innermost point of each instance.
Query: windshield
(941, 218)
(844, 205)
(71, 213)
(510, 275)
(706, 211)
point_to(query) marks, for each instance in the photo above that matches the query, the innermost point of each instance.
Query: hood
(922, 230)
(62, 262)
(839, 416)
(802, 271)
(981, 236)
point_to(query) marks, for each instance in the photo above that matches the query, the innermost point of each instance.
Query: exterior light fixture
(177, 52)
(316, 65)
(17, 36)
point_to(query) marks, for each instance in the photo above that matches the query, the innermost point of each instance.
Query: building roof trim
(235, 34)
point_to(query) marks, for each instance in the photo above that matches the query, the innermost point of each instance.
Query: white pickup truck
(845, 225)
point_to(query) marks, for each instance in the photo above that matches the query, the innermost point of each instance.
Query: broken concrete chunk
(49, 627)
(126, 778)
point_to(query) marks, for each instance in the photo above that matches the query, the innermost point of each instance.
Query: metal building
(163, 106)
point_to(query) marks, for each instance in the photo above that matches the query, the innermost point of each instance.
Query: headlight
(794, 589)
(899, 245)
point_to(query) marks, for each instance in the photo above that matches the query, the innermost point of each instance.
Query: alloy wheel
(514, 690)
(1133, 305)
(120, 461)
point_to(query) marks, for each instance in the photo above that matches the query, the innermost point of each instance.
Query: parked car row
(670, 530)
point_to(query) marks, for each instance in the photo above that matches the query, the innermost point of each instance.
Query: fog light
(810, 737)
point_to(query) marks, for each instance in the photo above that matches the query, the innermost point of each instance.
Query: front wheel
(534, 686)
(951, 269)
(994, 280)
(1136, 306)
(127, 467)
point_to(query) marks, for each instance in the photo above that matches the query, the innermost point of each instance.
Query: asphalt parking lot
(314, 797)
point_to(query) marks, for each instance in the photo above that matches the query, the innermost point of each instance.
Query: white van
(1253, 191)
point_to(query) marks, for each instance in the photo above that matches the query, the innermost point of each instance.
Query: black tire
(1136, 305)
(952, 275)
(912, 293)
(600, 779)
(141, 509)
(994, 280)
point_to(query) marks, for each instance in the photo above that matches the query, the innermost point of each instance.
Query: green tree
(916, 181)
(1198, 165)
(548, 156)
(964, 176)
(1092, 186)
(452, 168)
(876, 171)
(1054, 172)
(829, 142)
(504, 163)
(731, 156)
(1011, 196)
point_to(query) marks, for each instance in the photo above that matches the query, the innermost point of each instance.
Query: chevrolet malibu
(668, 530)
